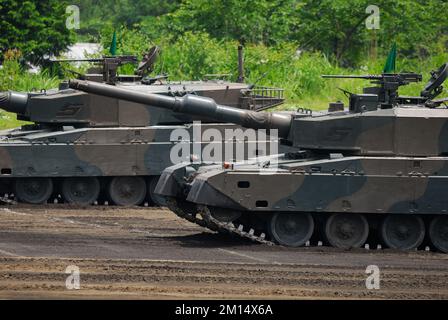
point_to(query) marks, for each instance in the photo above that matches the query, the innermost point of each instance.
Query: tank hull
(103, 153)
(346, 202)
(139, 151)
(372, 185)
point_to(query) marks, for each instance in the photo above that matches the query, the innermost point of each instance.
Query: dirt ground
(146, 253)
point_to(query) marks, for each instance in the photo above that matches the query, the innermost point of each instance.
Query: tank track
(238, 230)
(174, 207)
(204, 218)
(209, 222)
(229, 227)
(7, 200)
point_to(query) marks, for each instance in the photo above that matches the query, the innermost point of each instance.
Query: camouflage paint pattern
(385, 155)
(77, 134)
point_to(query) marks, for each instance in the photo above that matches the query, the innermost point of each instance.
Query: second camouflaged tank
(83, 147)
(378, 168)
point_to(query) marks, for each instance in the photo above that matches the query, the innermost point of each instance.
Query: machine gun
(385, 93)
(401, 78)
(108, 71)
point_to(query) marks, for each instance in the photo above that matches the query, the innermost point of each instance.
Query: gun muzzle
(14, 102)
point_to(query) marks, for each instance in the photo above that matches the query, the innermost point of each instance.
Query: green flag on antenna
(113, 45)
(390, 62)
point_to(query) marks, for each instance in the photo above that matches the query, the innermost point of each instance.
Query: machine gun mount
(108, 67)
(385, 94)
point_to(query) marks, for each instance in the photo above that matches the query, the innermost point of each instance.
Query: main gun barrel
(193, 105)
(15, 102)
(366, 77)
(78, 60)
(123, 59)
(409, 77)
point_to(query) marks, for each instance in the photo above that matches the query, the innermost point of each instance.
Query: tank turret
(371, 125)
(68, 107)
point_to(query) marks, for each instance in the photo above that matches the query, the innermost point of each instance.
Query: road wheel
(155, 198)
(438, 233)
(346, 230)
(34, 190)
(80, 191)
(291, 229)
(403, 232)
(127, 191)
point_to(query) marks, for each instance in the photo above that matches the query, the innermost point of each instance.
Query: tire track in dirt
(150, 253)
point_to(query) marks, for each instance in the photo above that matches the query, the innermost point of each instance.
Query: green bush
(192, 55)
(13, 77)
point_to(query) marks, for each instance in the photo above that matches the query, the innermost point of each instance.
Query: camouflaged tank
(82, 147)
(375, 172)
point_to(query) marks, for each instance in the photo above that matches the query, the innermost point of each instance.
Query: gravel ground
(151, 254)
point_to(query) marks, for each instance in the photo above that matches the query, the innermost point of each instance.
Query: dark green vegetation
(35, 27)
(199, 37)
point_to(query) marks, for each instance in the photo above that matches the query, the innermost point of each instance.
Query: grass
(8, 120)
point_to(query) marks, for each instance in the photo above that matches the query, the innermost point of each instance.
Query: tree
(266, 21)
(416, 25)
(36, 27)
(98, 15)
(336, 27)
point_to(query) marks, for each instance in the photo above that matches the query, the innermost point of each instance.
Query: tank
(82, 148)
(375, 172)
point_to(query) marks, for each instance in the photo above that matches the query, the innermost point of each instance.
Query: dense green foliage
(337, 27)
(194, 55)
(98, 15)
(36, 28)
(334, 27)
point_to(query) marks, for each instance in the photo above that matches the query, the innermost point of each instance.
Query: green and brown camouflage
(379, 167)
(67, 107)
(74, 135)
